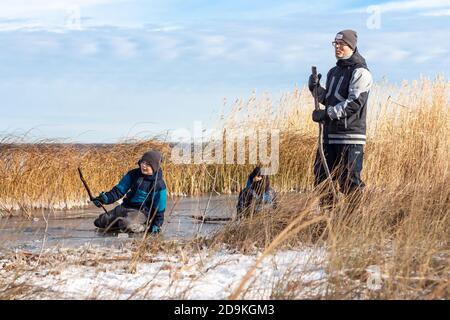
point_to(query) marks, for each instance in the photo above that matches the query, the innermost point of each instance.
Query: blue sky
(104, 70)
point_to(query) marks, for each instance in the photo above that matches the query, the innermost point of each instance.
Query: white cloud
(212, 46)
(293, 54)
(213, 40)
(124, 47)
(437, 13)
(167, 46)
(387, 53)
(51, 15)
(398, 54)
(88, 48)
(166, 28)
(407, 5)
(24, 9)
(431, 54)
(12, 25)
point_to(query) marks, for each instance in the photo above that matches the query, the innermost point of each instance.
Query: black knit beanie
(153, 158)
(349, 36)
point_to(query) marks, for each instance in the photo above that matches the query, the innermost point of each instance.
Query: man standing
(344, 117)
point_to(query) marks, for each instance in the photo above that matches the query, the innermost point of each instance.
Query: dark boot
(102, 221)
(97, 223)
(108, 221)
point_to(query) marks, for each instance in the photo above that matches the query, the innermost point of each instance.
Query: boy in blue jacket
(256, 195)
(145, 198)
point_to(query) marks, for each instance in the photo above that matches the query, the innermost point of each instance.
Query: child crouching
(145, 195)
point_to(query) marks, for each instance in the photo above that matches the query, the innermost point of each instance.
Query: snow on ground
(100, 273)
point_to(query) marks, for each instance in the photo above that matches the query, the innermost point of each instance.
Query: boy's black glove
(314, 81)
(319, 115)
(101, 199)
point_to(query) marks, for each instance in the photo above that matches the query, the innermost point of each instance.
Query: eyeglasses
(340, 44)
(145, 164)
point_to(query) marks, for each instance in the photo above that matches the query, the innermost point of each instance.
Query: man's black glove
(320, 115)
(101, 199)
(314, 81)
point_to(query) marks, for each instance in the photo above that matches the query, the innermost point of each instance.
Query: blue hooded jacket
(142, 192)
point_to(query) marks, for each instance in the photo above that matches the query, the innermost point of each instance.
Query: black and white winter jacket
(345, 98)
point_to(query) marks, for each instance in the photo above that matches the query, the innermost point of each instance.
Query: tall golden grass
(408, 143)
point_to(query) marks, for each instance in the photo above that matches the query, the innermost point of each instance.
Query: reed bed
(407, 129)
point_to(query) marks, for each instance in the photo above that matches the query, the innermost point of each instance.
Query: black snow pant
(345, 162)
(118, 218)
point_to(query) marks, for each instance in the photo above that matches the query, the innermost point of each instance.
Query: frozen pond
(75, 228)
